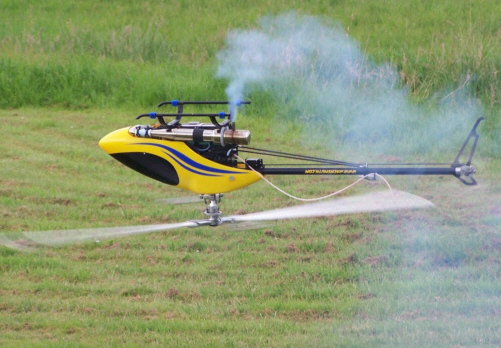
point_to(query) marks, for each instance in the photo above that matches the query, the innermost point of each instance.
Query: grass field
(71, 72)
(401, 279)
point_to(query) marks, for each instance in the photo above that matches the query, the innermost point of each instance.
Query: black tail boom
(463, 171)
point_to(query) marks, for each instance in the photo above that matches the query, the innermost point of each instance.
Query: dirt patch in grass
(349, 260)
(172, 293)
(367, 296)
(307, 315)
(352, 237)
(375, 261)
(270, 264)
(291, 248)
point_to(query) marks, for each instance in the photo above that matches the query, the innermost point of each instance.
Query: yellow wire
(319, 198)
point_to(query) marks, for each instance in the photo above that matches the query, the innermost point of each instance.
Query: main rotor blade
(378, 201)
(180, 200)
(61, 237)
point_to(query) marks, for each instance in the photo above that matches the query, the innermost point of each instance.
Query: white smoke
(318, 73)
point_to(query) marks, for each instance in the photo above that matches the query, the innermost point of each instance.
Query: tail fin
(467, 170)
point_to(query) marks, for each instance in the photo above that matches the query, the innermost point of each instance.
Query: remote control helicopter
(205, 158)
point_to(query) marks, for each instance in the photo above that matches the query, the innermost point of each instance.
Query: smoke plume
(320, 75)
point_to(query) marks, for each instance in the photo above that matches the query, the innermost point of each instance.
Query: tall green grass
(99, 83)
(90, 54)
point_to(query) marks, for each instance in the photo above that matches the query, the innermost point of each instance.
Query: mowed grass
(410, 278)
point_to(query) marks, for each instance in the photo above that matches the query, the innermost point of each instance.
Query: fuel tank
(175, 163)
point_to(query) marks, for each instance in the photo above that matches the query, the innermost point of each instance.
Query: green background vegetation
(115, 53)
(70, 72)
